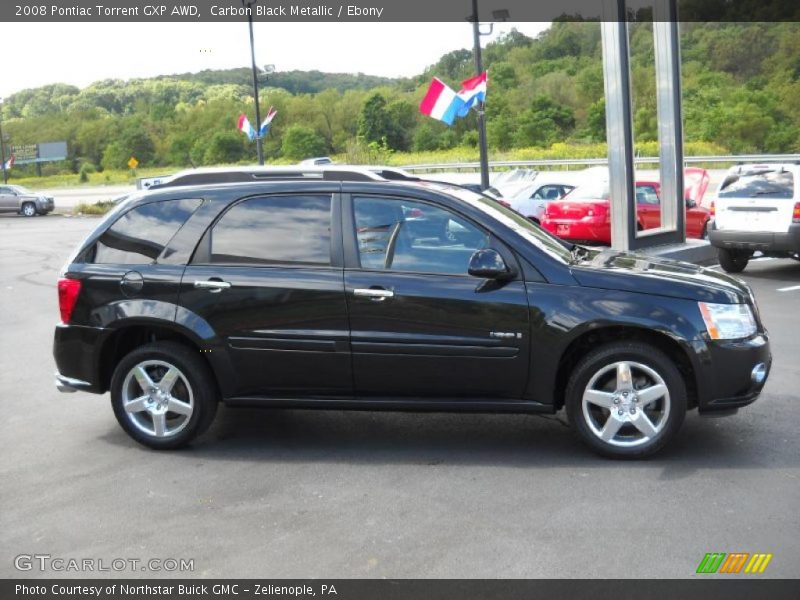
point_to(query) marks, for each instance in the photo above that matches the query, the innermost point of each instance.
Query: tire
(733, 261)
(28, 209)
(704, 233)
(145, 413)
(638, 419)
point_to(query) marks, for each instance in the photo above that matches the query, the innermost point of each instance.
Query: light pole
(3, 144)
(248, 4)
(503, 15)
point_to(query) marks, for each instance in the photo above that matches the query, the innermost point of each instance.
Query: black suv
(337, 288)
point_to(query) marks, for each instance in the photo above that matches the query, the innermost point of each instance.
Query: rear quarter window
(140, 235)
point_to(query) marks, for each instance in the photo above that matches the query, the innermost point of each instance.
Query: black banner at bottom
(397, 589)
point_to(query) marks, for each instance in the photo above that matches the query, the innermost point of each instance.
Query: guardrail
(568, 162)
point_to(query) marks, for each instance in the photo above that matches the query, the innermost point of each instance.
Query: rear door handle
(374, 294)
(212, 286)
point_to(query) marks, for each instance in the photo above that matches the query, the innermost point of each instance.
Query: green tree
(224, 147)
(374, 123)
(300, 142)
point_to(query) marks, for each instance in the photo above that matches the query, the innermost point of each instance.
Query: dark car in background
(337, 288)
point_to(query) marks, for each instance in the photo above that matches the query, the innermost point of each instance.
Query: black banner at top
(381, 10)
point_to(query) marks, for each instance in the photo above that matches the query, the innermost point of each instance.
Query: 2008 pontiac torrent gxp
(335, 288)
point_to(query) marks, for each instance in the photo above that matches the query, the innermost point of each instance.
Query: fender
(592, 309)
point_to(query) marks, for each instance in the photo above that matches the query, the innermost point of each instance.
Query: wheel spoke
(651, 394)
(136, 405)
(180, 407)
(168, 380)
(624, 377)
(643, 423)
(143, 379)
(160, 424)
(610, 429)
(598, 398)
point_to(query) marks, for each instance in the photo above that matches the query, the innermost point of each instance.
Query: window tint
(752, 184)
(140, 235)
(275, 230)
(401, 235)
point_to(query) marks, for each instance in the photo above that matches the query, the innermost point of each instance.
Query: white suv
(757, 208)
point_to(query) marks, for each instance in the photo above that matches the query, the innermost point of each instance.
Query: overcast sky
(80, 53)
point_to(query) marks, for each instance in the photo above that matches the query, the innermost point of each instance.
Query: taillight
(796, 213)
(712, 209)
(68, 290)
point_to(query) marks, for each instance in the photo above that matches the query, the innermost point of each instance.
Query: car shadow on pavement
(354, 437)
(778, 270)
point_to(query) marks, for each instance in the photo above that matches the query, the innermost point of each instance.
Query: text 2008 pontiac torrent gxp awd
(336, 288)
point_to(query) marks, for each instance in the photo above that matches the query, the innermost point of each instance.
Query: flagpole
(259, 142)
(476, 33)
(3, 145)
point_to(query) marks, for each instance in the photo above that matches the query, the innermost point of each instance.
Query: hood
(614, 270)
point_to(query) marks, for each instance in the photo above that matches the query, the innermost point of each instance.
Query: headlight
(727, 321)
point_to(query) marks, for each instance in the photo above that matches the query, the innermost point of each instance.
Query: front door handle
(377, 295)
(212, 286)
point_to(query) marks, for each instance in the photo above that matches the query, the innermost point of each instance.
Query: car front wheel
(626, 400)
(163, 395)
(28, 209)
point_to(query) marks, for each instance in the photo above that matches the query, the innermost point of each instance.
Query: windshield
(752, 184)
(19, 189)
(522, 226)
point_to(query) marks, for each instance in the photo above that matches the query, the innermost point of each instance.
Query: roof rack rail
(255, 174)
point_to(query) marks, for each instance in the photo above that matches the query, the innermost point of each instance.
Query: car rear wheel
(28, 209)
(626, 400)
(163, 395)
(733, 261)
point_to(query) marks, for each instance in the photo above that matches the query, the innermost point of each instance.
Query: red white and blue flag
(9, 163)
(267, 121)
(440, 102)
(245, 127)
(472, 91)
(443, 104)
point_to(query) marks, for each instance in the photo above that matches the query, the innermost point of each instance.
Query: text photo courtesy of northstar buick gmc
(335, 288)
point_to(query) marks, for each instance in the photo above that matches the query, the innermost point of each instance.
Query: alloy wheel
(626, 404)
(157, 398)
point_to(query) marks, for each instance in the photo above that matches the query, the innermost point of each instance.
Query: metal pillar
(259, 141)
(670, 118)
(476, 34)
(619, 127)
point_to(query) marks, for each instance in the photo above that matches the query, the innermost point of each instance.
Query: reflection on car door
(420, 325)
(267, 278)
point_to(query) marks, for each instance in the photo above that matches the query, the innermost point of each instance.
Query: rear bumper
(76, 350)
(585, 230)
(732, 373)
(764, 241)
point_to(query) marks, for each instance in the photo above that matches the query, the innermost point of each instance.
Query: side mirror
(690, 203)
(488, 264)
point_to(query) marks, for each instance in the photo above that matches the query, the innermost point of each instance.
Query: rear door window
(273, 230)
(766, 183)
(140, 235)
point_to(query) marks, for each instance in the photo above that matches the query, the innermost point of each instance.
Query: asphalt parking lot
(335, 494)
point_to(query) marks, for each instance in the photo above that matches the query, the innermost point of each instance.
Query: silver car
(15, 198)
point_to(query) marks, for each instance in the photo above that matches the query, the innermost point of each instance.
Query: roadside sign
(133, 163)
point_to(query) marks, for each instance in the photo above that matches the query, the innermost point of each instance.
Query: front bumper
(69, 385)
(45, 205)
(764, 241)
(726, 378)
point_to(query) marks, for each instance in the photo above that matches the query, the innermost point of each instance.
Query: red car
(584, 214)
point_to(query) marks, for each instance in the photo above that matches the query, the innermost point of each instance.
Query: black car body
(355, 292)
